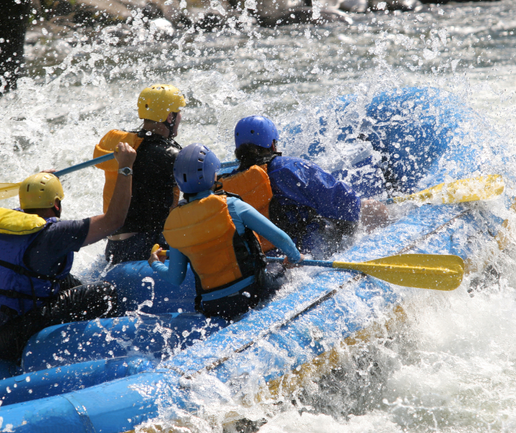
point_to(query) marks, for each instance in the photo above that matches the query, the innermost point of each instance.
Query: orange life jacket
(203, 231)
(107, 145)
(254, 187)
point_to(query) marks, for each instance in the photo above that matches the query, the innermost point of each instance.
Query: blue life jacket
(21, 289)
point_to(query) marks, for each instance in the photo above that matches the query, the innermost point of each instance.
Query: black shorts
(137, 247)
(86, 302)
(229, 307)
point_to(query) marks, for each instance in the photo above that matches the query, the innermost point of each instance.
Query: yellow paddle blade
(460, 191)
(8, 190)
(424, 271)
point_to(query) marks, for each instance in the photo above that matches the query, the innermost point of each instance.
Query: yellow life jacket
(13, 222)
(254, 187)
(203, 230)
(107, 145)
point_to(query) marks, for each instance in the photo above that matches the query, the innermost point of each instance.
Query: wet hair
(249, 154)
(56, 208)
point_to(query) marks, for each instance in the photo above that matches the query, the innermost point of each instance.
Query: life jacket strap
(228, 291)
(17, 295)
(22, 271)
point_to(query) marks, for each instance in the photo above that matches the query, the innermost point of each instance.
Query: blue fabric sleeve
(300, 182)
(244, 215)
(46, 253)
(175, 272)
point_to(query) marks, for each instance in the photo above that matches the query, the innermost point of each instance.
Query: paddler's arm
(106, 224)
(175, 272)
(373, 214)
(307, 184)
(254, 220)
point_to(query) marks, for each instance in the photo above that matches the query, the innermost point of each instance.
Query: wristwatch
(126, 171)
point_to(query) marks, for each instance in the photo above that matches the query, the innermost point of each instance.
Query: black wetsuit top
(153, 184)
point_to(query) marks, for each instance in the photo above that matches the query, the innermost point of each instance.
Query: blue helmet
(195, 168)
(257, 130)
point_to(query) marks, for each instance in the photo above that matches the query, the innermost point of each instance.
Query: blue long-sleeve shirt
(300, 182)
(243, 215)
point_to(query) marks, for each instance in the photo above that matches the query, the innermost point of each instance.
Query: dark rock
(14, 21)
(90, 12)
(394, 5)
(206, 19)
(359, 6)
(302, 15)
(57, 8)
(152, 11)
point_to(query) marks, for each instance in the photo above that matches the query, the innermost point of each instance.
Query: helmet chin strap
(217, 185)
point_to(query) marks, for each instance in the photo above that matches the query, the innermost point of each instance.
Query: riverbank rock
(63, 15)
(12, 34)
(301, 15)
(32, 21)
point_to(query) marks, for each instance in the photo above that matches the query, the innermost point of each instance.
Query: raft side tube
(55, 381)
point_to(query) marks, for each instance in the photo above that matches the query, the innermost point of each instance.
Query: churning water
(451, 366)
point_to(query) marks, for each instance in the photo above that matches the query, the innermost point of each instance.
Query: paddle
(459, 191)
(8, 190)
(424, 271)
(229, 164)
(442, 272)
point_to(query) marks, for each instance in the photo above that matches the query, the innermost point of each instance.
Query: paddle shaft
(229, 164)
(8, 190)
(85, 164)
(320, 263)
(110, 156)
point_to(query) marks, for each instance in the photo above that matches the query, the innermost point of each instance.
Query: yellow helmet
(40, 191)
(157, 101)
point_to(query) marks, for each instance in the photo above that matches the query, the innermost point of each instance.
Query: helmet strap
(170, 125)
(217, 186)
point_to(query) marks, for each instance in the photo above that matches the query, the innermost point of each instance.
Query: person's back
(301, 198)
(37, 249)
(214, 233)
(154, 186)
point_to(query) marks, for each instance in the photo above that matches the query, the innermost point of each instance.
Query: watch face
(126, 171)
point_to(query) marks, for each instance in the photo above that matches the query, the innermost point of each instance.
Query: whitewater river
(451, 367)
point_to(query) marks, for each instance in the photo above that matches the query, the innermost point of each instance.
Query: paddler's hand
(125, 155)
(288, 264)
(153, 257)
(373, 214)
(157, 253)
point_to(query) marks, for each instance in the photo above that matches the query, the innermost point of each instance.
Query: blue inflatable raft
(162, 358)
